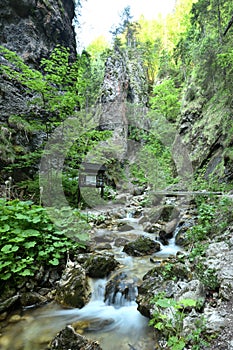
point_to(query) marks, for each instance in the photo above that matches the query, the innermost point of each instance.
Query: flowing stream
(114, 322)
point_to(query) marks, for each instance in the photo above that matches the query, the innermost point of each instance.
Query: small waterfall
(119, 291)
(98, 289)
(129, 214)
(122, 294)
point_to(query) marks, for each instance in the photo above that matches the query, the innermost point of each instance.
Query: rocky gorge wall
(32, 28)
(124, 97)
(205, 129)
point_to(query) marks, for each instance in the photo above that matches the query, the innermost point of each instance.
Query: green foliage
(198, 249)
(165, 99)
(167, 271)
(168, 320)
(154, 165)
(210, 218)
(201, 231)
(207, 276)
(210, 222)
(30, 240)
(208, 183)
(86, 142)
(61, 89)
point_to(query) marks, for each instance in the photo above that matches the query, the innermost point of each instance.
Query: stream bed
(115, 324)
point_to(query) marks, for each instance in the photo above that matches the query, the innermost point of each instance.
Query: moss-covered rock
(99, 266)
(142, 246)
(73, 288)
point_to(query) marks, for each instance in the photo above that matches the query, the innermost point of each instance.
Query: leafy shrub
(168, 320)
(30, 240)
(154, 165)
(207, 276)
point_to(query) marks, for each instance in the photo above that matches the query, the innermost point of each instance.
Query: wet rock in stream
(124, 227)
(163, 279)
(99, 266)
(142, 246)
(69, 339)
(92, 325)
(73, 289)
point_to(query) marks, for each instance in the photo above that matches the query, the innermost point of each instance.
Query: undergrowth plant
(214, 215)
(168, 320)
(30, 240)
(154, 165)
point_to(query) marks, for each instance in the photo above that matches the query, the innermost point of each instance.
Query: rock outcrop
(203, 130)
(73, 289)
(124, 95)
(32, 28)
(142, 246)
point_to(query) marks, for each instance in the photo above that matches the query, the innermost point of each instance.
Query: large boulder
(164, 213)
(161, 279)
(73, 288)
(99, 266)
(142, 246)
(219, 257)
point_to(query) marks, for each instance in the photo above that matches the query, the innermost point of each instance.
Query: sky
(98, 16)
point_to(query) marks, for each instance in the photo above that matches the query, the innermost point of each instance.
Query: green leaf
(159, 325)
(165, 302)
(187, 303)
(21, 216)
(36, 219)
(176, 343)
(5, 228)
(6, 276)
(31, 232)
(18, 268)
(58, 244)
(9, 248)
(26, 272)
(4, 217)
(54, 261)
(5, 263)
(43, 253)
(30, 244)
(17, 239)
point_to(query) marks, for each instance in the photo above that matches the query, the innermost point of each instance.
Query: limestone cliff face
(205, 129)
(32, 28)
(124, 94)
